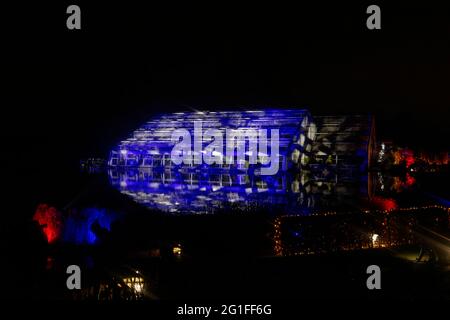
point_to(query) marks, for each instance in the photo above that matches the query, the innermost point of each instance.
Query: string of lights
(388, 237)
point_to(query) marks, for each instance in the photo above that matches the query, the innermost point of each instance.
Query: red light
(408, 155)
(410, 180)
(50, 220)
(385, 204)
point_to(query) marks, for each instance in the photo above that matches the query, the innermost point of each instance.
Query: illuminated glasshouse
(315, 160)
(152, 144)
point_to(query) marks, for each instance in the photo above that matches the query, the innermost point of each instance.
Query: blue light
(439, 200)
(151, 145)
(78, 225)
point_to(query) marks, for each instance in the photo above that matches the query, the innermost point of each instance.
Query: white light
(374, 237)
(124, 152)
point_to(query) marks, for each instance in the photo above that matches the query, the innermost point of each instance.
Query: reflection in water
(206, 191)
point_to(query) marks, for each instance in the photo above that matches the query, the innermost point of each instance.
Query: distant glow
(374, 238)
(440, 200)
(410, 161)
(410, 180)
(177, 250)
(135, 283)
(124, 152)
(206, 191)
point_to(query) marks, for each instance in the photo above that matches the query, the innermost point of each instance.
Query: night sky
(76, 93)
(73, 94)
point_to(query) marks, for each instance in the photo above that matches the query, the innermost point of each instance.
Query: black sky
(79, 92)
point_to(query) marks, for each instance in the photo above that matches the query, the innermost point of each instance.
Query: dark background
(71, 94)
